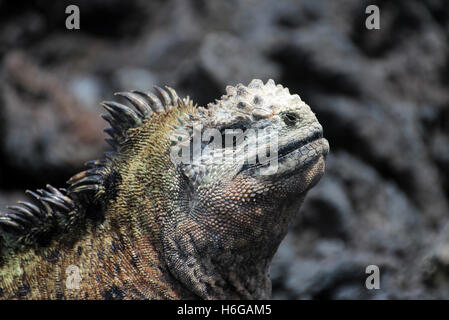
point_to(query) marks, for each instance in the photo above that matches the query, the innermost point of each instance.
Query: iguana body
(141, 225)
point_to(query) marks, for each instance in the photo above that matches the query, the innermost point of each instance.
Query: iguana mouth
(296, 145)
(295, 149)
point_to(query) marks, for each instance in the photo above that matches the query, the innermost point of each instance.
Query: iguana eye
(290, 118)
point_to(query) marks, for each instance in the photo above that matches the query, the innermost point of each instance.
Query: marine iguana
(138, 224)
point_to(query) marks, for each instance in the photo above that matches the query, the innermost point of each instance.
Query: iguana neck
(154, 228)
(226, 276)
(225, 268)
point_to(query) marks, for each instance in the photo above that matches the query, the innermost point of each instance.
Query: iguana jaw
(290, 158)
(299, 159)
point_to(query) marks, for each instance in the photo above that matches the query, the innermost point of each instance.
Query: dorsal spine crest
(56, 208)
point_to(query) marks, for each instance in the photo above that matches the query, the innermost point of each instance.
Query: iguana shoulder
(64, 228)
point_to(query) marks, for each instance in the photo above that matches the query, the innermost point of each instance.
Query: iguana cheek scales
(137, 225)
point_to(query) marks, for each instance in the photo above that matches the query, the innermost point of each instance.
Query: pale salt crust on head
(252, 102)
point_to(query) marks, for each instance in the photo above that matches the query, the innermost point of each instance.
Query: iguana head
(259, 138)
(251, 157)
(215, 187)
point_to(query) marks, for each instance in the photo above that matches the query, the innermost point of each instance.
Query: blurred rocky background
(381, 95)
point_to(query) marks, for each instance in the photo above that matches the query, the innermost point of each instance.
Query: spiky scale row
(28, 219)
(52, 207)
(138, 102)
(122, 118)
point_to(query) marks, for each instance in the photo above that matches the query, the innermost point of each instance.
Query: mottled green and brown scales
(138, 225)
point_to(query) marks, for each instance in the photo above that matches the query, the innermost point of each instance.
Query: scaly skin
(141, 225)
